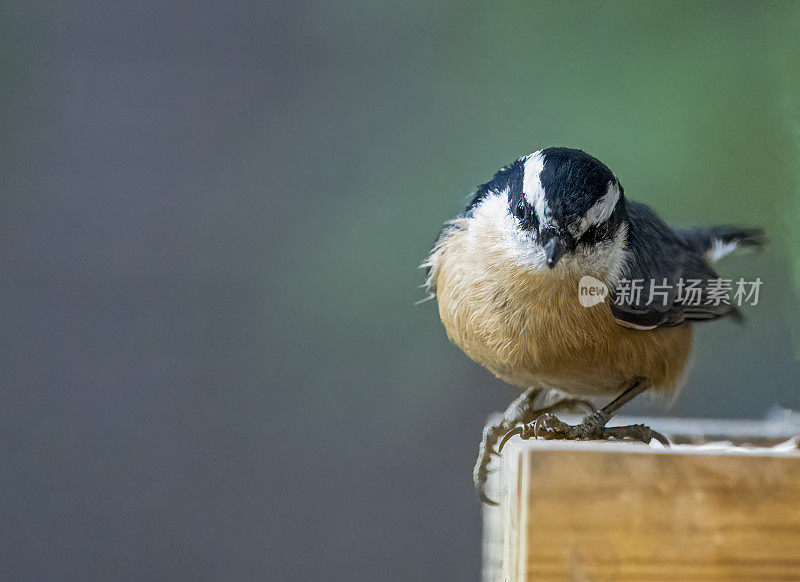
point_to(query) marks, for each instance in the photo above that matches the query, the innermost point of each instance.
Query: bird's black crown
(573, 181)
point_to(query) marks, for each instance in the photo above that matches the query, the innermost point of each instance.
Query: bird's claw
(549, 427)
(485, 498)
(636, 432)
(508, 435)
(520, 411)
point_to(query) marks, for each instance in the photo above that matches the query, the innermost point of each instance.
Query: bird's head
(567, 201)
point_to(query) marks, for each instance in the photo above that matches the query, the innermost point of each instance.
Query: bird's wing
(677, 284)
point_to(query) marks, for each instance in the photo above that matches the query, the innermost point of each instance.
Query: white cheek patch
(532, 186)
(599, 212)
(492, 213)
(495, 232)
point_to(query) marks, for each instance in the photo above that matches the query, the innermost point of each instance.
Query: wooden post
(596, 511)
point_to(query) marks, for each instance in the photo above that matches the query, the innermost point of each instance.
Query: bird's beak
(554, 250)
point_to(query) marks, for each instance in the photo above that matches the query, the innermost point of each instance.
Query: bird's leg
(530, 405)
(593, 426)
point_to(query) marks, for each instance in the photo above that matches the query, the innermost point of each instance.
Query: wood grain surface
(603, 511)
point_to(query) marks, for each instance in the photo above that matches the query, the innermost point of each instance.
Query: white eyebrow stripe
(532, 186)
(600, 210)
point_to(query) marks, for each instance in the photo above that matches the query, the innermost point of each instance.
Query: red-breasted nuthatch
(506, 274)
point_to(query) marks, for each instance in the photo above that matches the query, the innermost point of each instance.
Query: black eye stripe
(596, 233)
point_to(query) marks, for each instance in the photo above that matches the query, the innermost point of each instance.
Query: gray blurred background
(212, 214)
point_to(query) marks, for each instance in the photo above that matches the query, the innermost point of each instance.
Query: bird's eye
(520, 211)
(595, 233)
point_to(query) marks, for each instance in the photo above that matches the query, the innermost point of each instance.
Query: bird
(507, 272)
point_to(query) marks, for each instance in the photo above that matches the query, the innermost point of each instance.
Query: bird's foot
(525, 408)
(548, 426)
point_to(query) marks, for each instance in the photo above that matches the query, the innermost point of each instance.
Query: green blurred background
(212, 215)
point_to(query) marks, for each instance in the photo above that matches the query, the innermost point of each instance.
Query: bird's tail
(719, 241)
